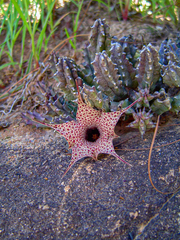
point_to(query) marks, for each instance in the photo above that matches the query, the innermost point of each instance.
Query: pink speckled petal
(106, 146)
(87, 118)
(69, 130)
(86, 114)
(108, 122)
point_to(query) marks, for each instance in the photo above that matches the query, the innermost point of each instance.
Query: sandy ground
(96, 200)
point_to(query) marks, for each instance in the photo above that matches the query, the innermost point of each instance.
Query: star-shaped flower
(91, 133)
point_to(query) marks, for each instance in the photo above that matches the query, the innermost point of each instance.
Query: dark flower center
(92, 134)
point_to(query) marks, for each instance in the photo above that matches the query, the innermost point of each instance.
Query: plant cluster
(113, 75)
(157, 9)
(22, 17)
(36, 17)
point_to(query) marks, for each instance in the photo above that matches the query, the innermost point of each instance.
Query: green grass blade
(8, 64)
(29, 63)
(16, 36)
(77, 16)
(102, 2)
(70, 41)
(23, 44)
(22, 16)
(41, 36)
(47, 39)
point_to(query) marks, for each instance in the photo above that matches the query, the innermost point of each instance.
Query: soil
(96, 200)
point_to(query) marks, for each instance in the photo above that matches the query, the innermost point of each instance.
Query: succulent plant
(106, 78)
(144, 94)
(128, 47)
(125, 68)
(142, 121)
(170, 58)
(171, 74)
(162, 102)
(113, 76)
(175, 104)
(148, 69)
(90, 134)
(99, 39)
(86, 102)
(66, 73)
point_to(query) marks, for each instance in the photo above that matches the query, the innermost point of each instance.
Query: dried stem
(149, 159)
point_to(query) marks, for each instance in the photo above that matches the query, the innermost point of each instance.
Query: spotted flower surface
(91, 133)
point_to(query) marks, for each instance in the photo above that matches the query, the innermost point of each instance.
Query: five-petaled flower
(91, 133)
